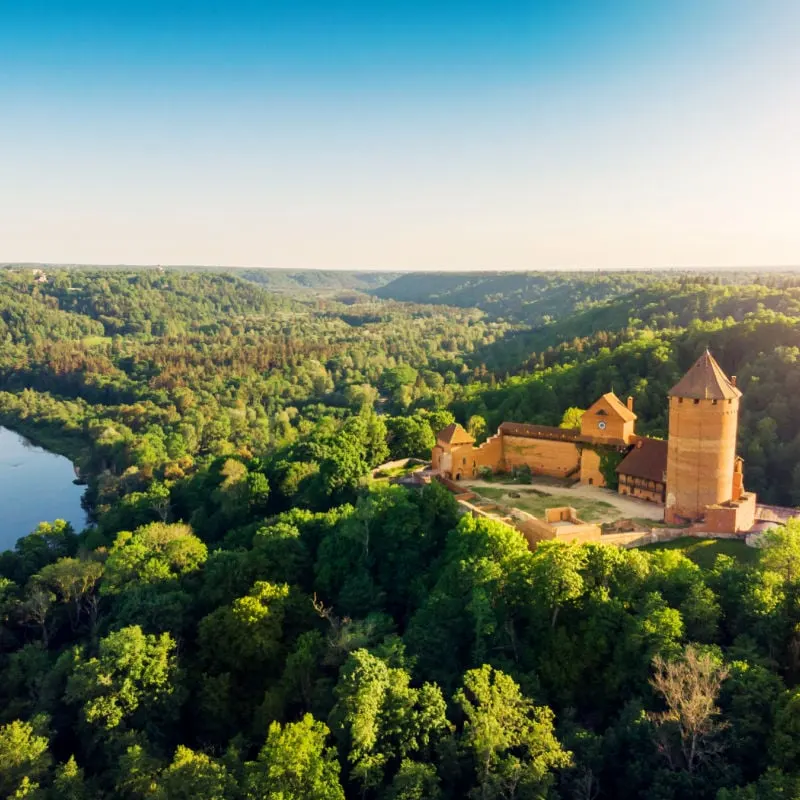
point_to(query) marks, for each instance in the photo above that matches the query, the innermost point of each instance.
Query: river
(35, 486)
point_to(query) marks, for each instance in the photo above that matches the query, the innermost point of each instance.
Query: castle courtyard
(615, 506)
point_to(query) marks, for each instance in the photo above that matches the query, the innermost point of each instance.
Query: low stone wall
(657, 535)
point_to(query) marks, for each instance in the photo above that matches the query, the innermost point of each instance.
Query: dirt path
(628, 507)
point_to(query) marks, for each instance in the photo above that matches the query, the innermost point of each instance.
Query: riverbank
(71, 446)
(36, 486)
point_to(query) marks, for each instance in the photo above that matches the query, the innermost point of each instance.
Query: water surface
(35, 486)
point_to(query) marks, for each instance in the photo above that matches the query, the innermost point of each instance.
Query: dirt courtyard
(592, 503)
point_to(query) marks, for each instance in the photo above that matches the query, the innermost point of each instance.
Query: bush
(523, 474)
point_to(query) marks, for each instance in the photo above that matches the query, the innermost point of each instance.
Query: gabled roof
(647, 460)
(454, 434)
(617, 406)
(705, 380)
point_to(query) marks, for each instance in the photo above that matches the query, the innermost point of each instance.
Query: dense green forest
(251, 615)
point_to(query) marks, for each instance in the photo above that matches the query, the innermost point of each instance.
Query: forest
(255, 613)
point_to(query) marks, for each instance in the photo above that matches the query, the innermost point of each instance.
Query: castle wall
(590, 468)
(436, 457)
(544, 457)
(701, 456)
(465, 461)
(735, 517)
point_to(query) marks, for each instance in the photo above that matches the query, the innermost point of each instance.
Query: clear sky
(401, 134)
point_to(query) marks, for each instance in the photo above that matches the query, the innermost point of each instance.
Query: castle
(695, 474)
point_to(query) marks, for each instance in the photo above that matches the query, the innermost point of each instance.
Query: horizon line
(431, 270)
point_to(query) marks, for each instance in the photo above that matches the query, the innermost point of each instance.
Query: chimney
(733, 380)
(630, 399)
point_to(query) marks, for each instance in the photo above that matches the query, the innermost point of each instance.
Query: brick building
(606, 427)
(695, 474)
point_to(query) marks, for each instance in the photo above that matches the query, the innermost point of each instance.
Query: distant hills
(276, 280)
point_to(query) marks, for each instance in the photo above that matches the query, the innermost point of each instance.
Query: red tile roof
(617, 405)
(454, 434)
(539, 431)
(705, 381)
(647, 460)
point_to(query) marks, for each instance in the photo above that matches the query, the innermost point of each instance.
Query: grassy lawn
(535, 502)
(705, 551)
(94, 341)
(396, 472)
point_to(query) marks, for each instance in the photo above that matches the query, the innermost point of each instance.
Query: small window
(591, 481)
(713, 402)
(680, 399)
(464, 460)
(730, 401)
(697, 402)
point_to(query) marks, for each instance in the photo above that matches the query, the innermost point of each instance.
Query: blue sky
(401, 135)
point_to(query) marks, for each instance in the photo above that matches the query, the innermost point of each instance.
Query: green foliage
(154, 554)
(193, 775)
(133, 680)
(381, 718)
(572, 418)
(609, 461)
(24, 755)
(295, 763)
(512, 742)
(245, 573)
(781, 550)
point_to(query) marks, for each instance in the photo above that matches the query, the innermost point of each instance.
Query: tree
(49, 542)
(36, 610)
(556, 574)
(246, 636)
(476, 427)
(294, 764)
(414, 781)
(689, 730)
(785, 744)
(192, 776)
(74, 581)
(134, 678)
(154, 553)
(68, 783)
(572, 418)
(781, 550)
(410, 437)
(380, 717)
(512, 741)
(23, 754)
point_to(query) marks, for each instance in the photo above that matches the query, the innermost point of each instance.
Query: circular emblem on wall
(601, 425)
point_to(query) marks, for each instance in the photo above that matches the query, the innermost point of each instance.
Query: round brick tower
(701, 454)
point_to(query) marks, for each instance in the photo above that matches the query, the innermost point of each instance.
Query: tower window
(697, 402)
(713, 402)
(680, 399)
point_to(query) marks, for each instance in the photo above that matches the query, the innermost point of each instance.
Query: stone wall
(731, 517)
(590, 468)
(544, 457)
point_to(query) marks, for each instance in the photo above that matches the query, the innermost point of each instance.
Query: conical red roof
(705, 381)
